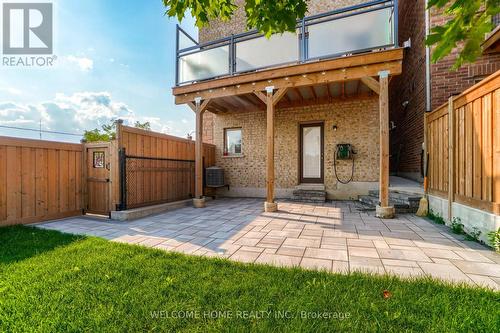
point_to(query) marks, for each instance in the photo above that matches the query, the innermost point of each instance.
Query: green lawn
(57, 282)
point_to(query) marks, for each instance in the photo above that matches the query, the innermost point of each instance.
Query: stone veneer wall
(357, 122)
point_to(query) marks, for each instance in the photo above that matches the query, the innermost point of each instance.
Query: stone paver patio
(334, 236)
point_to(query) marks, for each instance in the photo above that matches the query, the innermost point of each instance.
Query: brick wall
(446, 83)
(218, 28)
(208, 127)
(357, 122)
(407, 137)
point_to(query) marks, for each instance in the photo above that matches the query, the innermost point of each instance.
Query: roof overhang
(308, 74)
(492, 42)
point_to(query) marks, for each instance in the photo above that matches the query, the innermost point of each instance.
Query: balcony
(363, 28)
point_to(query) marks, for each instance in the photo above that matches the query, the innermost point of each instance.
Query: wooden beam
(261, 96)
(299, 69)
(371, 83)
(323, 77)
(203, 105)
(384, 140)
(279, 94)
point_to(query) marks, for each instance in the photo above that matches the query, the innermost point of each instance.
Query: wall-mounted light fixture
(335, 128)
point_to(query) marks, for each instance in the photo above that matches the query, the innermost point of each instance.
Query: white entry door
(311, 152)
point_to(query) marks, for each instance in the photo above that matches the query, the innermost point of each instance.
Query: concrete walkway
(334, 237)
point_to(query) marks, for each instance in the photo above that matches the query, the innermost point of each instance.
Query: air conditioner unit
(214, 177)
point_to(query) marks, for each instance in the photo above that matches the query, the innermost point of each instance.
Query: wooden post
(199, 109)
(270, 100)
(119, 129)
(199, 152)
(384, 210)
(270, 205)
(451, 158)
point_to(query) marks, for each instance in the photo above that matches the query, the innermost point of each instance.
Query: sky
(115, 59)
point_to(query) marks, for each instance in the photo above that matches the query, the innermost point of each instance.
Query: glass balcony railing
(361, 28)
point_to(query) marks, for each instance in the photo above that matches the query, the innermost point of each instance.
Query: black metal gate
(146, 181)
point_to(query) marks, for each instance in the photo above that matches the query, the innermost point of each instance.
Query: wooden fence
(44, 180)
(160, 167)
(463, 142)
(39, 180)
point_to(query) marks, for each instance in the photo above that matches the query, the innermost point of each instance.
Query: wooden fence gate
(99, 160)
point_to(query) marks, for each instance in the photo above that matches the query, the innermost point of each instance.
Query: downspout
(427, 62)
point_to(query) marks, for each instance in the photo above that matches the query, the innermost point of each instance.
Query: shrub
(473, 235)
(436, 218)
(494, 238)
(456, 226)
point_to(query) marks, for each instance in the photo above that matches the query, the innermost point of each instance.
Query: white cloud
(85, 64)
(11, 91)
(76, 113)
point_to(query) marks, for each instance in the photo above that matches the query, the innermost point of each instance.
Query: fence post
(123, 178)
(451, 158)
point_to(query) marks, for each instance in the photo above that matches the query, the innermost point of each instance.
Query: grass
(57, 282)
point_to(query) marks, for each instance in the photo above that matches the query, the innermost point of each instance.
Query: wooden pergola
(267, 88)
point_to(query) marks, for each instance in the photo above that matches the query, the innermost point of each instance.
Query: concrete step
(309, 195)
(410, 199)
(401, 205)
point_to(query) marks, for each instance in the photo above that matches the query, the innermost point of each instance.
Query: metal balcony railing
(356, 29)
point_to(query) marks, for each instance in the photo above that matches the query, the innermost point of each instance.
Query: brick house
(408, 102)
(278, 109)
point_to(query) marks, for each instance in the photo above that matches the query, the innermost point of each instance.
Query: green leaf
(468, 23)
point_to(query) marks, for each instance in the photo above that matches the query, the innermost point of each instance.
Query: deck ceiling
(295, 96)
(313, 81)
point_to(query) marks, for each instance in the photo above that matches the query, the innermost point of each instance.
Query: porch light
(335, 128)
